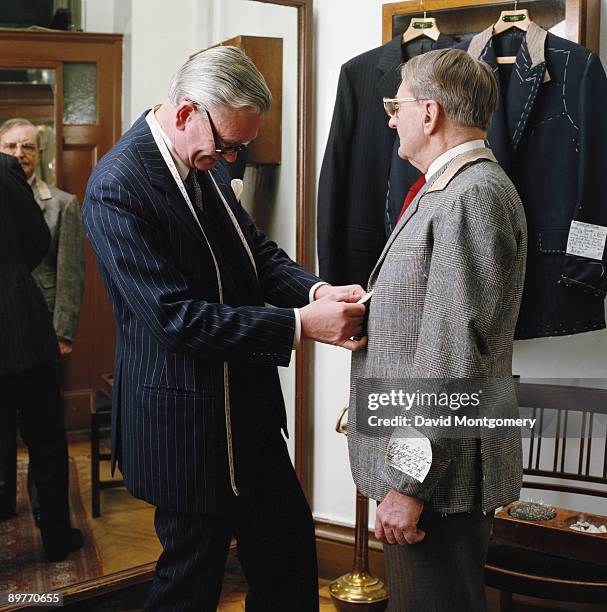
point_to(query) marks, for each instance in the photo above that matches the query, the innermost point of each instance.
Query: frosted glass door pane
(79, 93)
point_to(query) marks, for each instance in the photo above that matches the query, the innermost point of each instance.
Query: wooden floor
(125, 538)
(125, 532)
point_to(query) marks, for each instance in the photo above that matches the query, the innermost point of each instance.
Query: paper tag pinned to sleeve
(410, 452)
(586, 240)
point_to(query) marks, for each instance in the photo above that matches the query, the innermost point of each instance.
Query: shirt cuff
(313, 289)
(297, 334)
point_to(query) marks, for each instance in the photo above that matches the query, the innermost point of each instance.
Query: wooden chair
(529, 569)
(101, 416)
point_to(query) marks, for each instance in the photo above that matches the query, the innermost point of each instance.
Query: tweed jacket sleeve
(70, 270)
(474, 247)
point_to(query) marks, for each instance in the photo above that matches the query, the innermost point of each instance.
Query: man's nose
(392, 122)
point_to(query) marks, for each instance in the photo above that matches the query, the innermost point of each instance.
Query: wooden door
(89, 66)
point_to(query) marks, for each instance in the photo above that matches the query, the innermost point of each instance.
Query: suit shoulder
(123, 158)
(483, 187)
(63, 197)
(557, 44)
(365, 60)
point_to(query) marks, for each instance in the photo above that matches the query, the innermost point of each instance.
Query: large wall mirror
(75, 107)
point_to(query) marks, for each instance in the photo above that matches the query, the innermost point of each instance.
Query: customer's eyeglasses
(11, 147)
(391, 105)
(219, 149)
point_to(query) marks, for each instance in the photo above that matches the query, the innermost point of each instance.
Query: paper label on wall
(409, 452)
(586, 240)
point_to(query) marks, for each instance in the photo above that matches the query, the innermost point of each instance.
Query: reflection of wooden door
(91, 96)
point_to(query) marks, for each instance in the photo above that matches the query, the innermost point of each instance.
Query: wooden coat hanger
(511, 19)
(421, 26)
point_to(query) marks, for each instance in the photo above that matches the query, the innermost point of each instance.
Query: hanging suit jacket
(195, 379)
(550, 136)
(27, 338)
(355, 211)
(446, 295)
(60, 275)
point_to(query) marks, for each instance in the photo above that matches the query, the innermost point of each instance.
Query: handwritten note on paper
(586, 240)
(409, 454)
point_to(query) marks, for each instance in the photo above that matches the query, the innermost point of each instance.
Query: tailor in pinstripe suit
(446, 295)
(197, 406)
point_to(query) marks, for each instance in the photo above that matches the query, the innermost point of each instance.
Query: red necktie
(419, 183)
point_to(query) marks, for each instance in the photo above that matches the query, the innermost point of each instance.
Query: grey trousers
(444, 572)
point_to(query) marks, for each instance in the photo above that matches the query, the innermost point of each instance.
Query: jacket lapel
(389, 67)
(515, 105)
(527, 76)
(411, 210)
(160, 176)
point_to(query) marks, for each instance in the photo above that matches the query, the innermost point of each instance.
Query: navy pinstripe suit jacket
(168, 420)
(27, 338)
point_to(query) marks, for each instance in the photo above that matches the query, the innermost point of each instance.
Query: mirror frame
(305, 256)
(305, 243)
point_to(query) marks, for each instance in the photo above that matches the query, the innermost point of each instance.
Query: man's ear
(431, 116)
(185, 110)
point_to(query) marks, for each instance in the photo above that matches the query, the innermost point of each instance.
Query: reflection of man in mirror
(60, 275)
(29, 393)
(197, 410)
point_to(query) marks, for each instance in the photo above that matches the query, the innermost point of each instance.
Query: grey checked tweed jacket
(446, 295)
(60, 275)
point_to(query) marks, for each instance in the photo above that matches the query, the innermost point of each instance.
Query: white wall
(158, 37)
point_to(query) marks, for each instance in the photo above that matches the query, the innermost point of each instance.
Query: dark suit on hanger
(356, 212)
(550, 136)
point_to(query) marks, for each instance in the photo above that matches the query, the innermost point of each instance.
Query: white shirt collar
(450, 154)
(182, 167)
(32, 179)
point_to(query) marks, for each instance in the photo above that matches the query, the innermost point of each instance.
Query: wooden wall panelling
(266, 54)
(80, 148)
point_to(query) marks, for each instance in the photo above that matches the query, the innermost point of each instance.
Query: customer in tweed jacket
(446, 295)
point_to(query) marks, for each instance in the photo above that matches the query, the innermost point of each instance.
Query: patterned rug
(22, 564)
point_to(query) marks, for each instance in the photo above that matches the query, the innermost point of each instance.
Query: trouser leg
(444, 572)
(42, 428)
(276, 543)
(189, 572)
(8, 450)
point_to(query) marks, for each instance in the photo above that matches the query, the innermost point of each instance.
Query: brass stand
(359, 591)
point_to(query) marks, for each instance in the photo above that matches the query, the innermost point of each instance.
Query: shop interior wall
(158, 35)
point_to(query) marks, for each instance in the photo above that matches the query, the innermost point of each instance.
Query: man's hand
(397, 517)
(65, 347)
(340, 293)
(331, 322)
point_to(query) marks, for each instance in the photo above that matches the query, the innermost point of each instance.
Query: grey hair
(464, 87)
(221, 76)
(9, 124)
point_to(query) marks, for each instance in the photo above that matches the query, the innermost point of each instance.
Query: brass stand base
(358, 591)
